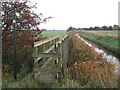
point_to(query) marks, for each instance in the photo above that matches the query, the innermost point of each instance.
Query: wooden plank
(46, 63)
(36, 44)
(48, 50)
(48, 69)
(53, 55)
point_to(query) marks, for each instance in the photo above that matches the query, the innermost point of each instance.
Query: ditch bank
(88, 67)
(104, 55)
(107, 49)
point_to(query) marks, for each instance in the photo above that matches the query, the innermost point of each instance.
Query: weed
(27, 82)
(89, 68)
(66, 82)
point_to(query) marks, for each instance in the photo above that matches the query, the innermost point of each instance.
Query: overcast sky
(78, 13)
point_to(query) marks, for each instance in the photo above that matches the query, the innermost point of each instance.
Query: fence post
(65, 53)
(68, 50)
(61, 48)
(44, 59)
(35, 50)
(59, 51)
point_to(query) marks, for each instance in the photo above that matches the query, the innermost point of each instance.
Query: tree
(28, 20)
(104, 28)
(27, 31)
(71, 28)
(116, 27)
(110, 27)
(91, 28)
(96, 28)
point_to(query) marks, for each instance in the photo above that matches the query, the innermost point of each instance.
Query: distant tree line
(43, 29)
(71, 28)
(114, 27)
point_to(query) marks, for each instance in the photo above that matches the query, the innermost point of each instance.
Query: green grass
(68, 82)
(52, 33)
(110, 42)
(24, 80)
(28, 81)
(114, 32)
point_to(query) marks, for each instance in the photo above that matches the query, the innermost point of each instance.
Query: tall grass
(25, 79)
(66, 82)
(89, 68)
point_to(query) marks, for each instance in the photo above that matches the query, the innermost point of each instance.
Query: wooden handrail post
(34, 51)
(44, 48)
(59, 50)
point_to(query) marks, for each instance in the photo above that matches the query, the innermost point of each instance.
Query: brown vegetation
(102, 34)
(89, 68)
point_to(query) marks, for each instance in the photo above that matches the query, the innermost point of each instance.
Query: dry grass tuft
(89, 68)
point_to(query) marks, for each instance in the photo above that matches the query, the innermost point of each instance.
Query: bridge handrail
(38, 43)
(38, 55)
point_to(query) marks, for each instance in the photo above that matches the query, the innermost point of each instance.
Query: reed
(89, 68)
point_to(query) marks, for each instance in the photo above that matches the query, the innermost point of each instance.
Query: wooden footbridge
(50, 58)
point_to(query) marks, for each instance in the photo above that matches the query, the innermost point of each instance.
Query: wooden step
(46, 74)
(46, 69)
(46, 78)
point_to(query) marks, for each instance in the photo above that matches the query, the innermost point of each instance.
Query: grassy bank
(89, 68)
(27, 80)
(24, 80)
(110, 42)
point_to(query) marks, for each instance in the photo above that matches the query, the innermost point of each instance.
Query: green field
(52, 33)
(110, 42)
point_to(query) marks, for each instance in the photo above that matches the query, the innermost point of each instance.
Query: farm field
(105, 33)
(52, 33)
(114, 32)
(108, 41)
